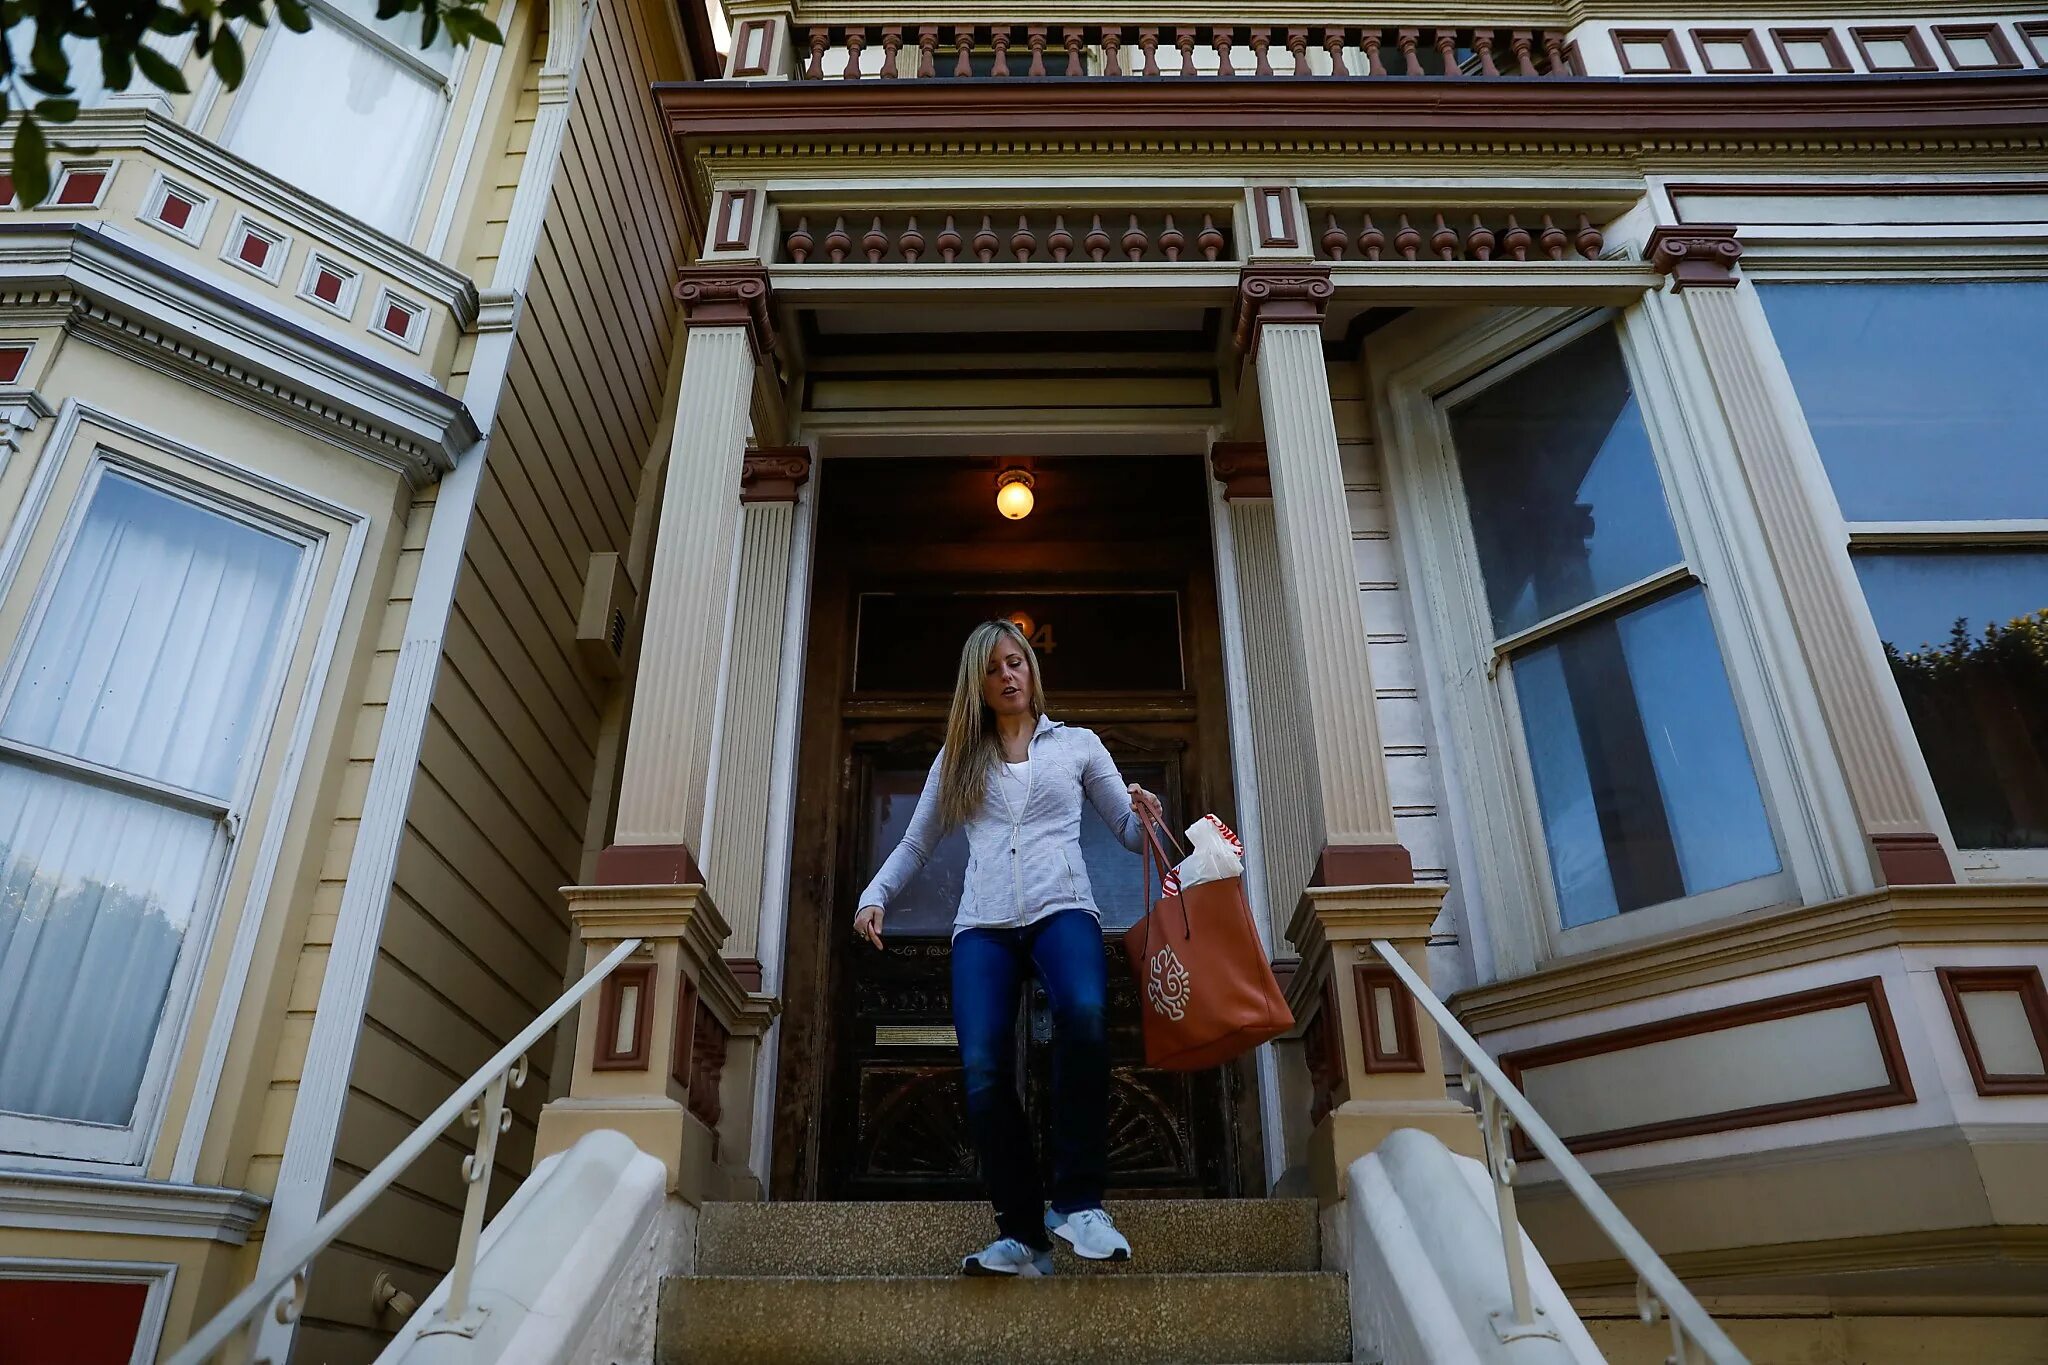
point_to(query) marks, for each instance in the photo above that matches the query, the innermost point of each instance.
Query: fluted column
(1280, 331)
(736, 858)
(1877, 765)
(662, 789)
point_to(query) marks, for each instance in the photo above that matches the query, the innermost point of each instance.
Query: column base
(1363, 865)
(647, 865)
(1912, 860)
(1356, 1127)
(662, 1128)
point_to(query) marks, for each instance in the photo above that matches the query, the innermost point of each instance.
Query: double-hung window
(1928, 403)
(130, 720)
(350, 112)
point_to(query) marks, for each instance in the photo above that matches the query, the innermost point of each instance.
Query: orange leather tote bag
(1205, 988)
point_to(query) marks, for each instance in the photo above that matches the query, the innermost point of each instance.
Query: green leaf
(430, 26)
(163, 73)
(484, 30)
(227, 58)
(31, 165)
(169, 22)
(293, 16)
(48, 56)
(46, 85)
(116, 70)
(57, 111)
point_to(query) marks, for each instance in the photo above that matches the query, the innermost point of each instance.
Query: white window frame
(70, 1143)
(1502, 859)
(1952, 254)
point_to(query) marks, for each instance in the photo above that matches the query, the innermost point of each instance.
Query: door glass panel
(1642, 774)
(1562, 484)
(927, 905)
(1114, 872)
(1966, 633)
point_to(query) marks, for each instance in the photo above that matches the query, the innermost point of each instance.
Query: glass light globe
(1014, 498)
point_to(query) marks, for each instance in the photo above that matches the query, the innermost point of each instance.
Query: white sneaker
(1091, 1233)
(1008, 1257)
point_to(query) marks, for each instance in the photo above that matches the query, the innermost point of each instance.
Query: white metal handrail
(480, 1101)
(1695, 1336)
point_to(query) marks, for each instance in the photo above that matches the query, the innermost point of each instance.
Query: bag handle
(1152, 851)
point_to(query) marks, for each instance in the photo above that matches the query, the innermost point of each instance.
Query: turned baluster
(1444, 241)
(1061, 241)
(1369, 44)
(1172, 239)
(800, 242)
(949, 241)
(1482, 47)
(820, 40)
(1333, 43)
(911, 243)
(1371, 241)
(1184, 39)
(856, 43)
(927, 51)
(1447, 51)
(1223, 39)
(1334, 239)
(1262, 39)
(1297, 45)
(1516, 240)
(1097, 241)
(985, 241)
(1148, 44)
(1407, 240)
(1480, 240)
(1035, 36)
(874, 241)
(963, 44)
(1553, 239)
(1553, 52)
(1410, 38)
(1023, 241)
(1073, 39)
(1209, 239)
(837, 243)
(1525, 62)
(1112, 44)
(892, 44)
(1589, 240)
(999, 39)
(1135, 240)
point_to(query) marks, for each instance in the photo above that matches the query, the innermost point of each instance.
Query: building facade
(1564, 481)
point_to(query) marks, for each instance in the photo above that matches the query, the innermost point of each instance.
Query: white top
(1020, 773)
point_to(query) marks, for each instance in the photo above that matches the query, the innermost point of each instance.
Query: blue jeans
(989, 967)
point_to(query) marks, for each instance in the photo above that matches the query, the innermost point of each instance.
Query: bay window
(1927, 405)
(350, 112)
(135, 703)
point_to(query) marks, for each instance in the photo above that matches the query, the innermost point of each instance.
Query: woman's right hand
(868, 924)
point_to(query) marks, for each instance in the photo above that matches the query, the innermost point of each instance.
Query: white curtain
(152, 659)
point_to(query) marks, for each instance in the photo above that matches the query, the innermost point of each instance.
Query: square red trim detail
(175, 211)
(12, 360)
(327, 286)
(80, 187)
(254, 249)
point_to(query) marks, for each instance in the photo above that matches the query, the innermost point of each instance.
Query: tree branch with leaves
(128, 36)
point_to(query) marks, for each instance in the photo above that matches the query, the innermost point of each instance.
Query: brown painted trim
(1696, 256)
(2035, 36)
(1759, 64)
(1363, 865)
(774, 473)
(707, 1065)
(729, 295)
(2003, 58)
(648, 865)
(749, 35)
(1265, 198)
(742, 225)
(1912, 860)
(1278, 291)
(1674, 56)
(2024, 982)
(682, 1046)
(1284, 969)
(1830, 41)
(747, 971)
(610, 1000)
(1240, 466)
(698, 41)
(1916, 47)
(1611, 109)
(1403, 1051)
(1868, 992)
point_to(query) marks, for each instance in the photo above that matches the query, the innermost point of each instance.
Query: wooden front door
(870, 1103)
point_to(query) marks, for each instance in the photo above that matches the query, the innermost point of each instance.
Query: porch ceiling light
(1014, 498)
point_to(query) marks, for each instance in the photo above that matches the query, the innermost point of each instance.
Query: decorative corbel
(1695, 255)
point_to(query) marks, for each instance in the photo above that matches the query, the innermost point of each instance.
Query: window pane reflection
(1642, 772)
(1967, 636)
(1925, 399)
(1562, 484)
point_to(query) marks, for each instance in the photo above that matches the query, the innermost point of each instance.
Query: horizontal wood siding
(476, 942)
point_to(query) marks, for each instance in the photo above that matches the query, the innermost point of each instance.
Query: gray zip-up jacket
(1024, 852)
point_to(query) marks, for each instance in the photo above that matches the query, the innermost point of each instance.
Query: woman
(1015, 779)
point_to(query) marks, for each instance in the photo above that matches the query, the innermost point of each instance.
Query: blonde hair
(973, 747)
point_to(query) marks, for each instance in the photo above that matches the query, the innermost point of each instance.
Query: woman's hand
(1144, 803)
(868, 924)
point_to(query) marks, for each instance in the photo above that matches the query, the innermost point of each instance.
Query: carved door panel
(896, 1124)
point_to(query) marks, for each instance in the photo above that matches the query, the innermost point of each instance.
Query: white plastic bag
(1218, 853)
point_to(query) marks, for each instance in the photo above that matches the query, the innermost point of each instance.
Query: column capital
(1240, 466)
(774, 473)
(1279, 291)
(728, 296)
(1695, 255)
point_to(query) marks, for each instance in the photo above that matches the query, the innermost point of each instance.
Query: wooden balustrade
(1145, 51)
(1020, 235)
(1407, 234)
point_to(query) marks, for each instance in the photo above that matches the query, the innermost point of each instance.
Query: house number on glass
(1039, 635)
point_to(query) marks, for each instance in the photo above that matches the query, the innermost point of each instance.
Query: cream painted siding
(476, 940)
(1414, 781)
